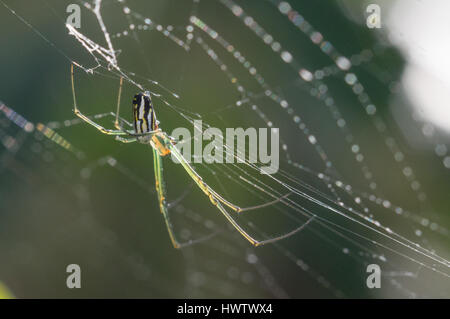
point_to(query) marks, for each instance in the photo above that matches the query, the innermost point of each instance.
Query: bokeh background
(95, 204)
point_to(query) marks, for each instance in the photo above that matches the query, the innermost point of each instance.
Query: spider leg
(116, 123)
(126, 140)
(206, 189)
(88, 120)
(197, 178)
(161, 190)
(144, 134)
(218, 200)
(120, 130)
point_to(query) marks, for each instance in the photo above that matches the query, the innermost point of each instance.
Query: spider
(147, 131)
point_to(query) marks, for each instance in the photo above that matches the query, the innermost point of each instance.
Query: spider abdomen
(144, 117)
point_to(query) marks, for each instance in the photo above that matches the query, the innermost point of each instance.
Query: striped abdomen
(143, 114)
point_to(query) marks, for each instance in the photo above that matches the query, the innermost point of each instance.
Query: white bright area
(421, 30)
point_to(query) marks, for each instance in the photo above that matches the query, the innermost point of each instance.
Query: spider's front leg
(85, 118)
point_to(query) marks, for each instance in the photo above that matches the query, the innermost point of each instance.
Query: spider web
(349, 188)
